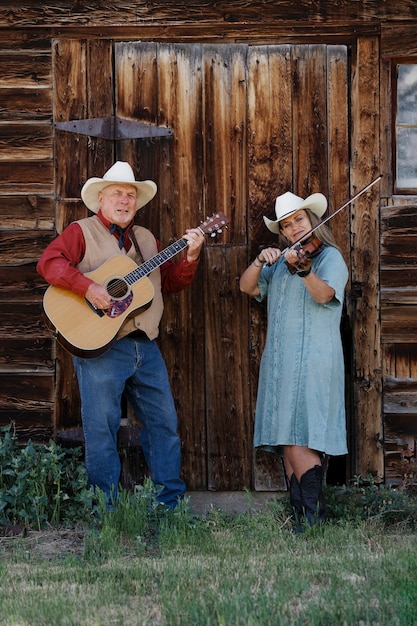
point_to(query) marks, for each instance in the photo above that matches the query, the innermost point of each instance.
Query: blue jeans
(134, 367)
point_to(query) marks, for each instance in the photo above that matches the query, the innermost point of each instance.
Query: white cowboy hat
(120, 172)
(289, 203)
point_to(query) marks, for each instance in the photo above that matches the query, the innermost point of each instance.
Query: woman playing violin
(300, 409)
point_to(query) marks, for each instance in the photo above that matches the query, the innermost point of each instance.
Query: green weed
(41, 484)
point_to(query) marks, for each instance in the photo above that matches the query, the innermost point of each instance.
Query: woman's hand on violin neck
(269, 255)
(298, 260)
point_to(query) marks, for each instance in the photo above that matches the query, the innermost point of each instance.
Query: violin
(306, 250)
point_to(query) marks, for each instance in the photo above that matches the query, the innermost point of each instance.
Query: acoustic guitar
(88, 332)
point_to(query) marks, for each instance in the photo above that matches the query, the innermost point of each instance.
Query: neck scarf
(121, 233)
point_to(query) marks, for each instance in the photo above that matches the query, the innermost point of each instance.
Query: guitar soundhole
(117, 288)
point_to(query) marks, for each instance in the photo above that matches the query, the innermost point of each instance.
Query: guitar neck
(151, 264)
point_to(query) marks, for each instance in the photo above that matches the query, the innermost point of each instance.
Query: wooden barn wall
(27, 386)
(398, 280)
(53, 69)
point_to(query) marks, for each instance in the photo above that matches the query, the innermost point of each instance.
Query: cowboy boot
(296, 499)
(311, 486)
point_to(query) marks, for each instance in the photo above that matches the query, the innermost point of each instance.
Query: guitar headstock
(214, 224)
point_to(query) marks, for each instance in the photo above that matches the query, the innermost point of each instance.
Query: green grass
(143, 565)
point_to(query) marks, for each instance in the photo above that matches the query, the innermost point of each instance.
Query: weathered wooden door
(248, 124)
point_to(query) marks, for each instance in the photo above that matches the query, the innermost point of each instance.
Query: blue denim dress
(301, 390)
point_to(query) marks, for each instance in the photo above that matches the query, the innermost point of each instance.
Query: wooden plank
(70, 97)
(309, 108)
(120, 12)
(181, 204)
(225, 102)
(338, 146)
(136, 75)
(398, 293)
(26, 393)
(270, 173)
(398, 249)
(399, 324)
(25, 69)
(25, 141)
(67, 406)
(20, 355)
(27, 212)
(229, 417)
(23, 319)
(400, 404)
(270, 155)
(25, 104)
(399, 217)
(261, 33)
(21, 283)
(386, 131)
(398, 39)
(23, 246)
(365, 258)
(34, 425)
(21, 39)
(100, 103)
(30, 177)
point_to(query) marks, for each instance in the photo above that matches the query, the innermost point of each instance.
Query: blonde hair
(322, 232)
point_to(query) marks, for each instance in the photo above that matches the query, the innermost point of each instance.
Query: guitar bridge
(99, 312)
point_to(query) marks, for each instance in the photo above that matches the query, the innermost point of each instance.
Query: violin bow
(329, 217)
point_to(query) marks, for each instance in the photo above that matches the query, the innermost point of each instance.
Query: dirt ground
(46, 544)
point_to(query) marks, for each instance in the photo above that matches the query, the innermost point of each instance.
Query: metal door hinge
(114, 128)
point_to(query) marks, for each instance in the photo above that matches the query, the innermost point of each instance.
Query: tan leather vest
(101, 246)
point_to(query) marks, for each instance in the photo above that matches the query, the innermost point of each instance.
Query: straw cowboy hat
(289, 203)
(120, 172)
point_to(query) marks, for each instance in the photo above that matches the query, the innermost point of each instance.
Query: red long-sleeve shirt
(58, 263)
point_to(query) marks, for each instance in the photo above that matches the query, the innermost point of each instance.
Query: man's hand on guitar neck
(195, 240)
(98, 296)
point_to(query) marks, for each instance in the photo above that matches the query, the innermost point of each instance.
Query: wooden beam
(31, 12)
(364, 300)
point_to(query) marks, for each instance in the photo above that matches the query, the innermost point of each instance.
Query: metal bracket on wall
(114, 128)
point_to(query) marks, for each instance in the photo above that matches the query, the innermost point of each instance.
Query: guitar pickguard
(119, 306)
